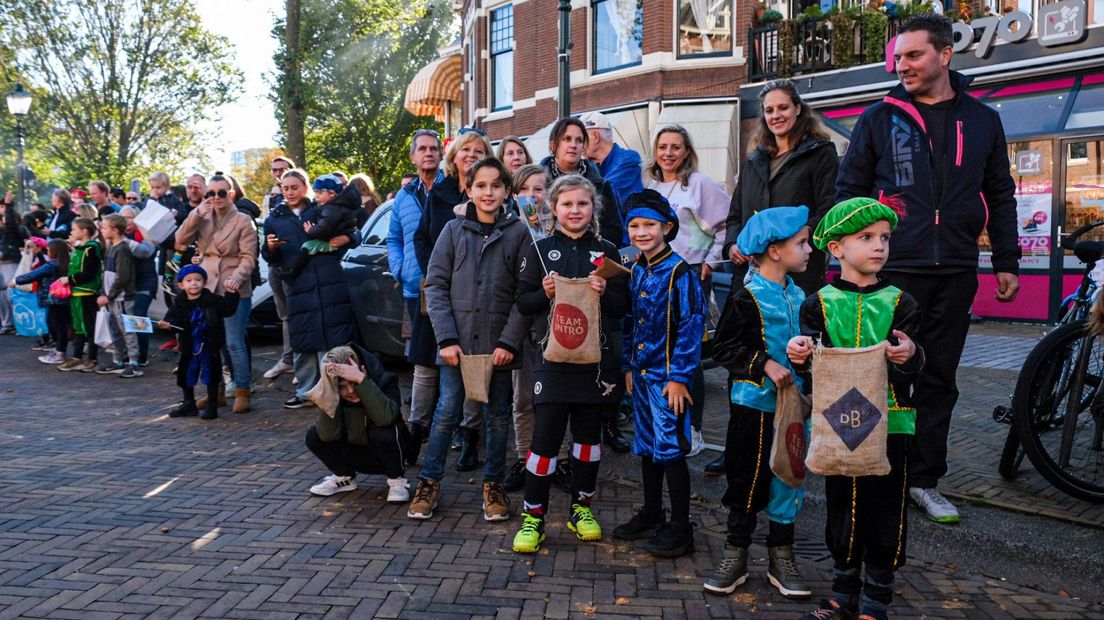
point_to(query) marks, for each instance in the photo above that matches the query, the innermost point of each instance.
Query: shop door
(1080, 202)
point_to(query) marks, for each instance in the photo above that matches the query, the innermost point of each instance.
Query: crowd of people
(495, 255)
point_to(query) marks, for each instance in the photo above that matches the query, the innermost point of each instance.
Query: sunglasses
(220, 193)
(464, 130)
(132, 199)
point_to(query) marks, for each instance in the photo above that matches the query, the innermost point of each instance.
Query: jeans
(7, 273)
(235, 344)
(279, 297)
(307, 369)
(496, 424)
(423, 394)
(142, 301)
(523, 402)
(122, 341)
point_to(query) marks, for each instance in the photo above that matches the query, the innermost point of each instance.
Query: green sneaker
(583, 523)
(530, 536)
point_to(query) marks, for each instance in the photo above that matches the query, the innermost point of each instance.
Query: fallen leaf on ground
(621, 600)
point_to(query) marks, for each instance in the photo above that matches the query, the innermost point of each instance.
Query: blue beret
(771, 225)
(187, 269)
(328, 182)
(651, 205)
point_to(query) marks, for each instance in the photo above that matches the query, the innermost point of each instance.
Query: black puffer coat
(320, 312)
(610, 218)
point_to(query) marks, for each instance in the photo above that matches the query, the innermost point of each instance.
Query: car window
(377, 228)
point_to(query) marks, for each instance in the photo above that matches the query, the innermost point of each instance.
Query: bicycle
(1057, 394)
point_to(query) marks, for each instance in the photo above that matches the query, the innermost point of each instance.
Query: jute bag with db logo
(573, 325)
(850, 420)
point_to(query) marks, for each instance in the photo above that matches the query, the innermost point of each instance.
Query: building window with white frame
(705, 28)
(502, 58)
(618, 35)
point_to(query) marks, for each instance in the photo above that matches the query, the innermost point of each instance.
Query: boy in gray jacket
(118, 298)
(471, 283)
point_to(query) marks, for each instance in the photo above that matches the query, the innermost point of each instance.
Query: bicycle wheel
(1058, 410)
(1011, 457)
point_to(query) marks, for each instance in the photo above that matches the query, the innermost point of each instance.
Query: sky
(249, 122)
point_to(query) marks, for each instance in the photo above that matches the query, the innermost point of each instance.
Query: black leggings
(678, 487)
(549, 426)
(88, 311)
(59, 320)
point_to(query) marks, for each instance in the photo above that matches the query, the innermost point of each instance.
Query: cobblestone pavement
(112, 510)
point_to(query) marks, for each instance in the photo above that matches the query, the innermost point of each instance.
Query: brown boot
(241, 400)
(201, 402)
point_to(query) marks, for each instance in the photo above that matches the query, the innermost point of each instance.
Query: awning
(435, 84)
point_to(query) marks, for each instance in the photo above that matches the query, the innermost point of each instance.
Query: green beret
(851, 216)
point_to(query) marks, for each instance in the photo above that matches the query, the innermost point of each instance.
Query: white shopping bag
(156, 222)
(103, 333)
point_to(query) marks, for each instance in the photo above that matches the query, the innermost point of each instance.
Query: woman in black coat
(568, 142)
(793, 163)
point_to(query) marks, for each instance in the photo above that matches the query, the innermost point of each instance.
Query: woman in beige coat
(226, 246)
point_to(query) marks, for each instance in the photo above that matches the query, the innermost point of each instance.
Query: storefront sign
(1061, 23)
(1029, 162)
(1033, 220)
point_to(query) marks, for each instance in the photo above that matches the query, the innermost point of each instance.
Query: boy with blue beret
(758, 322)
(867, 524)
(662, 347)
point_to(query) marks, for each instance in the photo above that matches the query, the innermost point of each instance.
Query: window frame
(492, 56)
(594, 21)
(678, 5)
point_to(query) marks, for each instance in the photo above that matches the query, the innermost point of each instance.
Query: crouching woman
(359, 427)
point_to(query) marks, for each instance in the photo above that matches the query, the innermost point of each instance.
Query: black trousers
(384, 456)
(550, 422)
(945, 301)
(868, 525)
(747, 468)
(59, 320)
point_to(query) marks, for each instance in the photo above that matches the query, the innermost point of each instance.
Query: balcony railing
(808, 46)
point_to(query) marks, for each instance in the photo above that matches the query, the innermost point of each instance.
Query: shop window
(1032, 168)
(1033, 108)
(1088, 107)
(618, 34)
(705, 28)
(502, 58)
(1084, 195)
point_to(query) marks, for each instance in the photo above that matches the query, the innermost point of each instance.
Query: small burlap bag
(574, 335)
(476, 371)
(787, 457)
(850, 419)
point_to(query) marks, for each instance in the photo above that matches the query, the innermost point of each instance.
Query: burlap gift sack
(574, 334)
(850, 419)
(476, 371)
(787, 457)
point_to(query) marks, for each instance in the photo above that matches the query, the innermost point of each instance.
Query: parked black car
(376, 296)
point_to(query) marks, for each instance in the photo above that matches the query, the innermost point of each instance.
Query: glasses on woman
(220, 193)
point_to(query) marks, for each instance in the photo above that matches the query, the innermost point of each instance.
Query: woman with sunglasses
(226, 242)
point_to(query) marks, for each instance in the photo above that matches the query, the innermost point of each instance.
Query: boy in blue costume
(659, 356)
(757, 323)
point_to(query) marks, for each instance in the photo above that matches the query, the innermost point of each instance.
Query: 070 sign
(1060, 23)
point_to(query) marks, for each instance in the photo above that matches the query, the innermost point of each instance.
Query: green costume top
(849, 316)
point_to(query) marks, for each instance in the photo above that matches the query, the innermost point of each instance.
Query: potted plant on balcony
(844, 35)
(874, 23)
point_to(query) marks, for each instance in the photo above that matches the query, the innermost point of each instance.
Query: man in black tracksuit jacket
(938, 157)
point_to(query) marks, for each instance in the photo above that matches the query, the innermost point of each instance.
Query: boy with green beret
(866, 515)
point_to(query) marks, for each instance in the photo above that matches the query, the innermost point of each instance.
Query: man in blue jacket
(406, 213)
(938, 157)
(620, 167)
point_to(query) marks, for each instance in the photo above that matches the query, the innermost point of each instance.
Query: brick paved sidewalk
(112, 510)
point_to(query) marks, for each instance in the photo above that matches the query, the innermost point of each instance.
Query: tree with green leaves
(123, 84)
(355, 60)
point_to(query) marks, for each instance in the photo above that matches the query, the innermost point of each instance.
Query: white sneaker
(399, 491)
(935, 506)
(334, 484)
(697, 444)
(53, 357)
(295, 381)
(281, 368)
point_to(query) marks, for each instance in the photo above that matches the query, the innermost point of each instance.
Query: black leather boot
(418, 434)
(716, 467)
(469, 450)
(611, 433)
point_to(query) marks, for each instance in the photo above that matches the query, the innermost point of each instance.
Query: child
(866, 515)
(85, 278)
(471, 282)
(751, 339)
(36, 248)
(57, 310)
(660, 354)
(569, 392)
(529, 182)
(196, 318)
(118, 298)
(338, 207)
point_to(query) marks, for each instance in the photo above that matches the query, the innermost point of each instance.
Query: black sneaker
(186, 408)
(564, 476)
(131, 371)
(642, 525)
(830, 609)
(673, 540)
(7, 331)
(113, 368)
(731, 573)
(209, 413)
(783, 574)
(296, 403)
(515, 480)
(716, 467)
(611, 434)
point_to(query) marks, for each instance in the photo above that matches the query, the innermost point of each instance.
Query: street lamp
(19, 103)
(563, 55)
